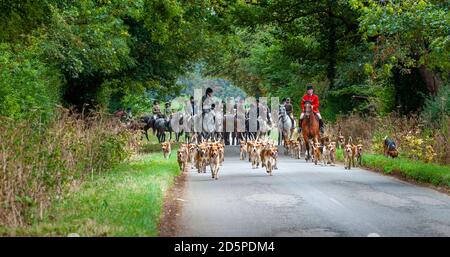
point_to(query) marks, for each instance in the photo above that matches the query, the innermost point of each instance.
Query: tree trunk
(431, 79)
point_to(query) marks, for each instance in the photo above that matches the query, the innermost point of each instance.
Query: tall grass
(38, 161)
(438, 175)
(126, 201)
(417, 139)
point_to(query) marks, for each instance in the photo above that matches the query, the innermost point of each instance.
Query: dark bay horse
(310, 128)
(161, 126)
(149, 122)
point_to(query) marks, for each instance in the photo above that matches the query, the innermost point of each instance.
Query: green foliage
(122, 45)
(420, 28)
(86, 38)
(368, 53)
(27, 85)
(19, 18)
(437, 108)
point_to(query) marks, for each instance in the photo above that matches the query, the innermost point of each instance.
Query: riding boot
(300, 126)
(321, 125)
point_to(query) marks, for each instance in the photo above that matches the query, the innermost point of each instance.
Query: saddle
(315, 115)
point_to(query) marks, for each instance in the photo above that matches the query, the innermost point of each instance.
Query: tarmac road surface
(302, 199)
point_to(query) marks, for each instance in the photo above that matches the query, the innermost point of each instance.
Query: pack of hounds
(198, 156)
(264, 153)
(324, 152)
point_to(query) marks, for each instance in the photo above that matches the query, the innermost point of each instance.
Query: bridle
(309, 109)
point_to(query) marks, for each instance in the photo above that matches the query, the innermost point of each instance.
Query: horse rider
(208, 105)
(193, 109)
(156, 110)
(129, 114)
(314, 99)
(207, 101)
(262, 109)
(168, 110)
(289, 109)
(240, 114)
(282, 105)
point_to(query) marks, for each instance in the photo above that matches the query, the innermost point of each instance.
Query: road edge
(172, 207)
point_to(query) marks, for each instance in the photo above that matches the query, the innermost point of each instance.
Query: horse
(120, 114)
(264, 124)
(310, 128)
(149, 122)
(176, 124)
(136, 125)
(188, 127)
(285, 126)
(219, 126)
(192, 133)
(226, 132)
(161, 126)
(247, 135)
(208, 126)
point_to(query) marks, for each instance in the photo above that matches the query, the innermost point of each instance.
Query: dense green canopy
(362, 55)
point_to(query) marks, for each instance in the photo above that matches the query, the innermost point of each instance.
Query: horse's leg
(146, 133)
(308, 154)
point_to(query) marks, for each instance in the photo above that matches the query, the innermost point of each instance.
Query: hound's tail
(350, 139)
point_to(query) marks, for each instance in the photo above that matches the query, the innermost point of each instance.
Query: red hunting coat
(314, 99)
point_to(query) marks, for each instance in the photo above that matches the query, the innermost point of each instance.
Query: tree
(409, 36)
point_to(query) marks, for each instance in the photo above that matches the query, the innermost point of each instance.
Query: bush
(437, 109)
(415, 138)
(40, 161)
(26, 83)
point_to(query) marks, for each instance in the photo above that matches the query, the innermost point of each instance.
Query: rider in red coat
(314, 99)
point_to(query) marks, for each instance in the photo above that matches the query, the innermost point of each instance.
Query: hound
(167, 149)
(390, 149)
(348, 156)
(182, 156)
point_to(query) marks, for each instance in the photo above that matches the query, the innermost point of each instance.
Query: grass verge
(437, 175)
(127, 201)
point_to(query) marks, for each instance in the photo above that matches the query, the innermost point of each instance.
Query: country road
(302, 199)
